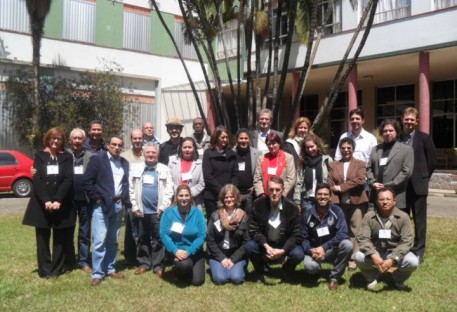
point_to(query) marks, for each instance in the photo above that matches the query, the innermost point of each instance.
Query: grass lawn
(433, 285)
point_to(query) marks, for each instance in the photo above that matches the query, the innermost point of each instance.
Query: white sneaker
(372, 285)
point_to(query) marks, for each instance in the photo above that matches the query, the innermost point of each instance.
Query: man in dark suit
(424, 165)
(264, 121)
(106, 185)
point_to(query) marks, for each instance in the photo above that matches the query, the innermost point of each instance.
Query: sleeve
(198, 242)
(407, 239)
(406, 168)
(296, 235)
(366, 245)
(358, 180)
(132, 194)
(66, 181)
(258, 177)
(341, 231)
(234, 162)
(90, 178)
(242, 235)
(371, 167)
(254, 229)
(291, 175)
(430, 155)
(306, 244)
(213, 248)
(199, 183)
(298, 186)
(210, 180)
(39, 185)
(168, 190)
(165, 230)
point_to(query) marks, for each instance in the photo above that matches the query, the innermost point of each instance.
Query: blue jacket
(193, 236)
(334, 220)
(98, 182)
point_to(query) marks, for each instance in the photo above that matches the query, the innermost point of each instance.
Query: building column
(352, 91)
(424, 92)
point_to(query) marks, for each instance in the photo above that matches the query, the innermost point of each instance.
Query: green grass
(433, 285)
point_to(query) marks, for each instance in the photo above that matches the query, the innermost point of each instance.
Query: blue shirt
(150, 190)
(118, 173)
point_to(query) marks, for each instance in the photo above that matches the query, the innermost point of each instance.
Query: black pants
(210, 207)
(191, 270)
(417, 205)
(130, 237)
(151, 252)
(62, 242)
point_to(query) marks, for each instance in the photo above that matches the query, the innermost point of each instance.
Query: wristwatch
(396, 260)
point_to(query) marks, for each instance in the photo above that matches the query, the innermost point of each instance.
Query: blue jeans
(84, 210)
(339, 255)
(222, 275)
(105, 232)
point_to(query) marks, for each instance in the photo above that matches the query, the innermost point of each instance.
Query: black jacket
(218, 170)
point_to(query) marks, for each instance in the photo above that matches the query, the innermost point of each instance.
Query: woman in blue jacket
(183, 233)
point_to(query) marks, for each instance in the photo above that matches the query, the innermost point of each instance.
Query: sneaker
(372, 285)
(400, 286)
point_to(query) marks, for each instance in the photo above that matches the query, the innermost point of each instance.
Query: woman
(50, 206)
(275, 162)
(183, 233)
(300, 128)
(314, 166)
(347, 179)
(220, 167)
(227, 234)
(186, 169)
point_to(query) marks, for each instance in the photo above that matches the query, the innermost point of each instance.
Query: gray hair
(73, 132)
(152, 144)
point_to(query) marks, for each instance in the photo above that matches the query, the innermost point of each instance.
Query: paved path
(438, 205)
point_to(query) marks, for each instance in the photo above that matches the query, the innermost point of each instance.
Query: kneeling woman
(227, 234)
(183, 233)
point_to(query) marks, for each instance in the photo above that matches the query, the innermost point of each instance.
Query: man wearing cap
(170, 147)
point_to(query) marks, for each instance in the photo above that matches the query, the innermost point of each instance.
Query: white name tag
(274, 222)
(271, 171)
(323, 231)
(241, 166)
(52, 169)
(177, 227)
(78, 169)
(385, 234)
(218, 226)
(383, 161)
(135, 170)
(200, 151)
(147, 179)
(186, 176)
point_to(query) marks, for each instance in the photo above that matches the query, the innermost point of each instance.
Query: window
(187, 49)
(389, 10)
(79, 20)
(391, 101)
(309, 106)
(442, 4)
(229, 35)
(283, 28)
(14, 15)
(137, 29)
(7, 159)
(444, 113)
(333, 23)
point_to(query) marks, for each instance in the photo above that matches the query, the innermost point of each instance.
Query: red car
(15, 173)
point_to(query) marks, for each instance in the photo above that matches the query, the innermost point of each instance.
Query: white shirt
(364, 143)
(118, 173)
(261, 145)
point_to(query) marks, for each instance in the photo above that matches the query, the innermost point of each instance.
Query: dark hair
(347, 140)
(188, 139)
(243, 130)
(116, 137)
(276, 179)
(95, 122)
(357, 111)
(310, 137)
(179, 189)
(385, 189)
(216, 134)
(56, 131)
(320, 186)
(391, 122)
(273, 137)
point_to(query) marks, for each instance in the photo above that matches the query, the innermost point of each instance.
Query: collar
(111, 158)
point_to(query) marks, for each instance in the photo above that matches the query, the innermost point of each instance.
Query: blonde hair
(297, 122)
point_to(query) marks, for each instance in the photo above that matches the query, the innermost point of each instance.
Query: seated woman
(183, 233)
(227, 234)
(275, 162)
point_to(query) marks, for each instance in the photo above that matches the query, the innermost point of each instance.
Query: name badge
(200, 151)
(218, 226)
(383, 161)
(135, 170)
(385, 234)
(147, 179)
(274, 222)
(241, 166)
(52, 169)
(186, 176)
(272, 171)
(177, 227)
(323, 231)
(78, 169)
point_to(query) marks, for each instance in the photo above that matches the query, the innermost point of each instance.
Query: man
(200, 137)
(391, 163)
(275, 232)
(265, 119)
(94, 142)
(364, 140)
(424, 165)
(247, 158)
(136, 164)
(170, 147)
(325, 237)
(385, 241)
(148, 134)
(150, 192)
(81, 159)
(106, 185)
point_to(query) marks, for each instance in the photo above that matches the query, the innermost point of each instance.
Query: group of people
(266, 201)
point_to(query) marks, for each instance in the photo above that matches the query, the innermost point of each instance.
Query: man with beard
(170, 147)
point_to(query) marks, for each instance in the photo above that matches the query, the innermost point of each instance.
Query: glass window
(79, 20)
(229, 35)
(389, 10)
(14, 15)
(444, 113)
(442, 4)
(333, 23)
(391, 101)
(137, 31)
(7, 159)
(309, 106)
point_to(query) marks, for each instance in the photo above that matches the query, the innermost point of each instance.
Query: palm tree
(38, 10)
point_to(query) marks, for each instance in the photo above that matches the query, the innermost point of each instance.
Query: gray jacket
(196, 183)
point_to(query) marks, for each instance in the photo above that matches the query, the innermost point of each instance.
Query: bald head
(136, 137)
(148, 130)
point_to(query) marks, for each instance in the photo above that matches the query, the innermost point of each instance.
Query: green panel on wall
(160, 41)
(109, 24)
(53, 27)
(223, 69)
